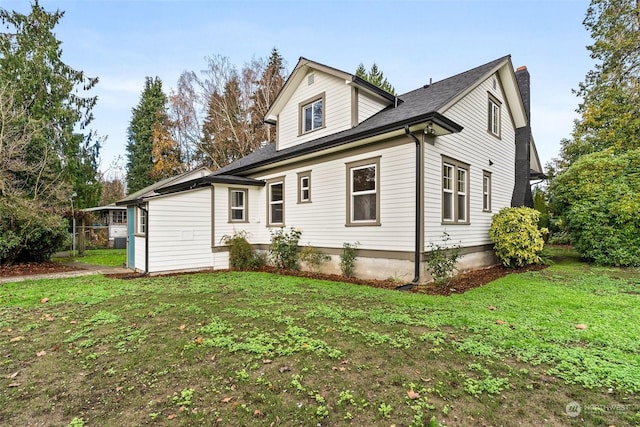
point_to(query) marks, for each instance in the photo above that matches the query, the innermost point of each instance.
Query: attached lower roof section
(208, 180)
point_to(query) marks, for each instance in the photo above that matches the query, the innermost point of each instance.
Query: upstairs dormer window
(312, 114)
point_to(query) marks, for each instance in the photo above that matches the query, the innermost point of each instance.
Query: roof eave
(434, 117)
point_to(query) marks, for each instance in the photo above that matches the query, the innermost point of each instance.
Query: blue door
(131, 241)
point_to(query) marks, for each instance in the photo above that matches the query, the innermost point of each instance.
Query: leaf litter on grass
(449, 351)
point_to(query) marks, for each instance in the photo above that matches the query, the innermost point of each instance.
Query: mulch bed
(459, 284)
(33, 268)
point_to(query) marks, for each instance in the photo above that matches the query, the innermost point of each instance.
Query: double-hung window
(494, 116)
(312, 114)
(486, 191)
(304, 187)
(237, 205)
(455, 194)
(275, 200)
(363, 198)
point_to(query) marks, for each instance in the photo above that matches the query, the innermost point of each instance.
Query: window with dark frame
(363, 190)
(311, 114)
(486, 191)
(494, 116)
(304, 187)
(455, 195)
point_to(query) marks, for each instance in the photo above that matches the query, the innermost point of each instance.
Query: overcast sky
(122, 41)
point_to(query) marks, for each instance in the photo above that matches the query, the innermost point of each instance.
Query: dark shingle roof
(415, 107)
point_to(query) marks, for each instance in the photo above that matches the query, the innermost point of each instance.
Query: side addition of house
(353, 163)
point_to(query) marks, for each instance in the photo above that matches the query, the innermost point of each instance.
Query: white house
(112, 219)
(353, 163)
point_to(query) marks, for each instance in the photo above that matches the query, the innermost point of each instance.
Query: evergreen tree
(47, 93)
(375, 76)
(150, 111)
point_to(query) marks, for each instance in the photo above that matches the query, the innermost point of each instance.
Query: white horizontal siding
(368, 106)
(322, 221)
(139, 253)
(476, 147)
(256, 200)
(180, 231)
(337, 109)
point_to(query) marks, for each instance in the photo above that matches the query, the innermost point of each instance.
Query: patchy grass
(106, 257)
(261, 349)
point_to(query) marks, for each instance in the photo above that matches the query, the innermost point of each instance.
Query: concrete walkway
(82, 270)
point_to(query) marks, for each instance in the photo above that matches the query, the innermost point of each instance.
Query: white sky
(122, 41)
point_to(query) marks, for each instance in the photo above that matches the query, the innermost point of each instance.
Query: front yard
(553, 347)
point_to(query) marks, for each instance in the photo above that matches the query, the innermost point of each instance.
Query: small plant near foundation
(284, 248)
(313, 258)
(442, 260)
(348, 258)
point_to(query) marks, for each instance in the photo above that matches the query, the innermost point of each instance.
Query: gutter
(418, 217)
(292, 152)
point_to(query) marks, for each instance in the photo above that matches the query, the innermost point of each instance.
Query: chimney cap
(521, 68)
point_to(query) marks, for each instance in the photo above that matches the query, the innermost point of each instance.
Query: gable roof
(425, 104)
(302, 68)
(133, 198)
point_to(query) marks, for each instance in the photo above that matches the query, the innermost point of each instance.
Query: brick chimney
(522, 190)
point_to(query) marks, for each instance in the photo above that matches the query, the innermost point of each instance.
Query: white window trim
(464, 192)
(244, 208)
(450, 190)
(142, 218)
(302, 176)
(270, 184)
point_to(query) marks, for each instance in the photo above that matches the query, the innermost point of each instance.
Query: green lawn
(106, 257)
(260, 349)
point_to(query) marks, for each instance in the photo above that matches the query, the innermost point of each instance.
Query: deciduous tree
(184, 110)
(237, 101)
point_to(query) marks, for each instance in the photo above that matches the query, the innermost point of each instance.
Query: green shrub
(241, 253)
(313, 258)
(284, 248)
(242, 256)
(442, 259)
(348, 258)
(597, 196)
(29, 232)
(516, 237)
